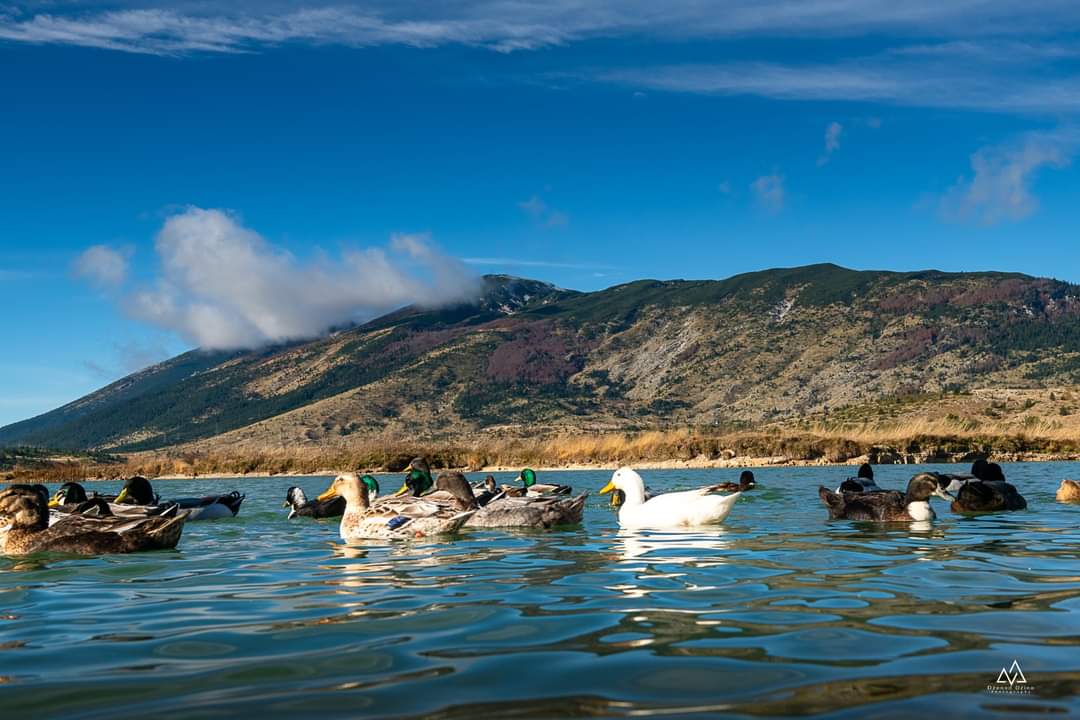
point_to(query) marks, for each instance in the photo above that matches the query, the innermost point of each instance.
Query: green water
(776, 612)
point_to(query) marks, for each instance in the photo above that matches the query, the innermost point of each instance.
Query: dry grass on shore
(910, 441)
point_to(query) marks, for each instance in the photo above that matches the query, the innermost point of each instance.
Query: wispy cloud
(832, 141)
(542, 213)
(1000, 185)
(769, 192)
(190, 26)
(102, 265)
(986, 79)
(222, 285)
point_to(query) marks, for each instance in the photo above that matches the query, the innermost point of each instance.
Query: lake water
(776, 612)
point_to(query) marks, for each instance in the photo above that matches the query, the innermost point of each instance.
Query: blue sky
(183, 174)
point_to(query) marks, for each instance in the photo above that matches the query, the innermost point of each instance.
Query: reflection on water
(776, 612)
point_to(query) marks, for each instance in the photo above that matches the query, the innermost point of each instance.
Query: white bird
(690, 508)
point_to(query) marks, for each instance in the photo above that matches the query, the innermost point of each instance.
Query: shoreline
(694, 464)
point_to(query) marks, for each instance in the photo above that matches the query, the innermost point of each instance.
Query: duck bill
(285, 504)
(607, 488)
(54, 501)
(944, 495)
(404, 490)
(122, 496)
(330, 493)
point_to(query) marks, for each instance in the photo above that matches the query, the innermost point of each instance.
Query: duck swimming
(507, 512)
(987, 492)
(689, 508)
(886, 505)
(746, 482)
(299, 506)
(419, 483)
(862, 482)
(138, 491)
(1069, 491)
(27, 512)
(400, 519)
(533, 488)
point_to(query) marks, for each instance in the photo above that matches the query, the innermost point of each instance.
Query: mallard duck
(506, 512)
(1069, 491)
(138, 491)
(531, 488)
(886, 505)
(746, 482)
(862, 482)
(27, 512)
(402, 519)
(689, 508)
(418, 483)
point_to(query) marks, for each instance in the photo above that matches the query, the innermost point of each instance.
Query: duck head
(1069, 491)
(527, 477)
(295, 498)
(866, 472)
(372, 486)
(24, 508)
(69, 492)
(348, 486)
(489, 484)
(137, 491)
(458, 487)
(417, 478)
(746, 480)
(629, 483)
(924, 486)
(978, 468)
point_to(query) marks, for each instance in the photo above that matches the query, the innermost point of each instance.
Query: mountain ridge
(760, 347)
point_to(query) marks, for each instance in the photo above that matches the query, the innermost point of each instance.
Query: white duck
(690, 508)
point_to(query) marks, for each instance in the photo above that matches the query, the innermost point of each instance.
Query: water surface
(775, 613)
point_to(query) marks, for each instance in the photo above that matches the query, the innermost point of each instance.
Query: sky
(192, 174)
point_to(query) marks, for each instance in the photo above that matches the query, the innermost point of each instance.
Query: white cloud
(102, 265)
(222, 285)
(832, 141)
(769, 191)
(999, 187)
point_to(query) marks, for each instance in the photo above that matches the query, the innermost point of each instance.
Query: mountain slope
(528, 357)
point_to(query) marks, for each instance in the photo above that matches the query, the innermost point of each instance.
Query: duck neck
(634, 495)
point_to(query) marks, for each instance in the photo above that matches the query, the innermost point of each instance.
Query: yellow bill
(330, 493)
(607, 488)
(122, 496)
(404, 489)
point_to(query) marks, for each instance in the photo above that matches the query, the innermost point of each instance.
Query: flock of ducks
(136, 519)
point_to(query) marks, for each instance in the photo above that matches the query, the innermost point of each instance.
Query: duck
(543, 512)
(1069, 491)
(690, 508)
(746, 482)
(531, 488)
(987, 491)
(27, 512)
(419, 483)
(886, 505)
(862, 482)
(299, 506)
(72, 498)
(486, 491)
(403, 519)
(138, 491)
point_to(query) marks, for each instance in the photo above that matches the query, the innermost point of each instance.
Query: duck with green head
(531, 488)
(418, 480)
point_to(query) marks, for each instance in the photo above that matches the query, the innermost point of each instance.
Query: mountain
(529, 358)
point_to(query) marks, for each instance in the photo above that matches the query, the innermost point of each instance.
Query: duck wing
(881, 505)
(988, 496)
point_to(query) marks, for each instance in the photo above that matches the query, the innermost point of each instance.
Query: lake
(777, 612)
